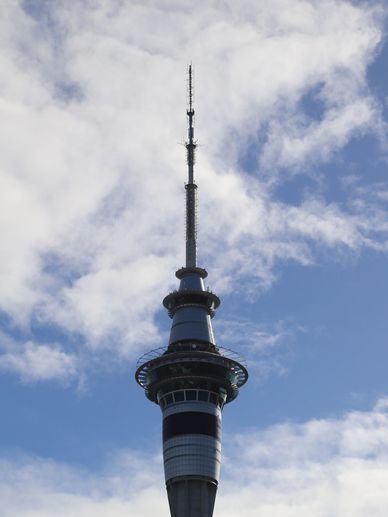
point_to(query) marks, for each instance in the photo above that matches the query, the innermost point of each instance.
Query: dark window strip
(191, 422)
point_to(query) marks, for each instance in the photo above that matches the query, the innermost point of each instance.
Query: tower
(192, 378)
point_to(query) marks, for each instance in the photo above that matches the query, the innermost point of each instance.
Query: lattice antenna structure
(191, 187)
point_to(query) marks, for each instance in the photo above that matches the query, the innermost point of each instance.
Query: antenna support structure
(191, 187)
(192, 378)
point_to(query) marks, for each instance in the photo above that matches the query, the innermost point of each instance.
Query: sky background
(291, 100)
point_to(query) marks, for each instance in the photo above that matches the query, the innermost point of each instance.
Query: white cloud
(37, 362)
(326, 468)
(91, 102)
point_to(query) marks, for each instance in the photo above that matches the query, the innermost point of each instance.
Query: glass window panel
(179, 396)
(203, 395)
(169, 399)
(191, 395)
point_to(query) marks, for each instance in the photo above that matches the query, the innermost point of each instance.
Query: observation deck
(191, 365)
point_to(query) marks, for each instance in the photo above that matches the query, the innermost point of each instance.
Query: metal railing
(158, 352)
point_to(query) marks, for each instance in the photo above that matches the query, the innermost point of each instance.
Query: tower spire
(191, 187)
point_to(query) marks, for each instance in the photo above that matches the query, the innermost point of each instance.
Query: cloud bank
(92, 104)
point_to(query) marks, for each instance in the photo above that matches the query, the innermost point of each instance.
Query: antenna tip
(190, 110)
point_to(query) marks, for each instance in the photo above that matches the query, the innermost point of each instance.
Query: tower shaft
(191, 498)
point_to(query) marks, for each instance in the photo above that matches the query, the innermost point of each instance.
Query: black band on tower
(191, 422)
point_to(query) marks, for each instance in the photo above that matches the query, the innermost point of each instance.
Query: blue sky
(291, 117)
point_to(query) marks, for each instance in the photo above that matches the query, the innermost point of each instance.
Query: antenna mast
(191, 187)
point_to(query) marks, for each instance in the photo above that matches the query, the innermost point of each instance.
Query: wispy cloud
(250, 335)
(266, 348)
(297, 142)
(34, 362)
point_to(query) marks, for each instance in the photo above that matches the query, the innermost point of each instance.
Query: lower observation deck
(190, 365)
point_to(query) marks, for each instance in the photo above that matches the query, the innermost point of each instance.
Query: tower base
(191, 496)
